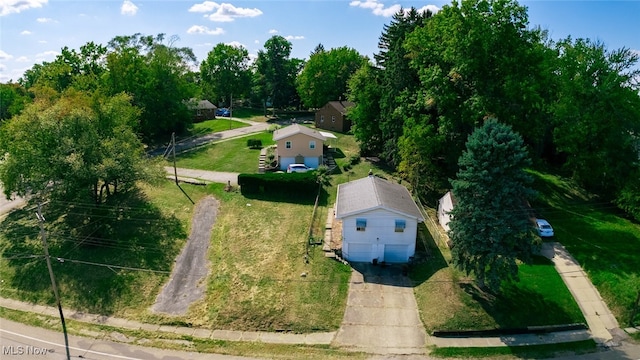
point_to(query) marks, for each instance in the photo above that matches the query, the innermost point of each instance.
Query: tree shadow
(100, 255)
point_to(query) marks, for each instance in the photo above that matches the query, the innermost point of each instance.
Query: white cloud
(273, 31)
(434, 9)
(224, 12)
(378, 8)
(3, 67)
(291, 37)
(26, 32)
(22, 59)
(128, 8)
(256, 41)
(5, 56)
(237, 44)
(199, 29)
(42, 41)
(15, 6)
(50, 53)
(45, 20)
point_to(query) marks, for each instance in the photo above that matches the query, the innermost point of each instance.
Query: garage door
(360, 253)
(395, 253)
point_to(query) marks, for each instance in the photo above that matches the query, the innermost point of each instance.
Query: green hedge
(278, 182)
(254, 143)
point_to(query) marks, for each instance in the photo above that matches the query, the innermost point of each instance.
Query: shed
(333, 116)
(202, 110)
(379, 221)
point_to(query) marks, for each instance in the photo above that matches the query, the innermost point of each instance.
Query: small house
(445, 205)
(202, 110)
(297, 144)
(333, 116)
(379, 221)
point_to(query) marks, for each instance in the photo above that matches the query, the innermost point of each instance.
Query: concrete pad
(250, 336)
(228, 335)
(182, 330)
(382, 316)
(202, 333)
(319, 338)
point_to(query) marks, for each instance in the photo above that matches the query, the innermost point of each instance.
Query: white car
(544, 228)
(298, 168)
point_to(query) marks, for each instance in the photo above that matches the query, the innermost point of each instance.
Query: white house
(379, 221)
(445, 205)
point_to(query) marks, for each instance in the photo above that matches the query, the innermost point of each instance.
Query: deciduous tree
(225, 73)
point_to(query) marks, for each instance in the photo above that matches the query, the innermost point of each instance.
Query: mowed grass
(259, 278)
(449, 300)
(216, 125)
(231, 155)
(598, 236)
(115, 266)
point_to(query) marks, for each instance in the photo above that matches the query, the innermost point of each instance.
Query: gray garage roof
(296, 129)
(372, 193)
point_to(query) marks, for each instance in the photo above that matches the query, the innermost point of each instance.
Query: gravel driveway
(191, 268)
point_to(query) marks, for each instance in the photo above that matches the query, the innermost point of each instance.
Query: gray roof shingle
(296, 129)
(373, 193)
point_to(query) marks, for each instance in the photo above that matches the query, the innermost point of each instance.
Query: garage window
(361, 224)
(400, 225)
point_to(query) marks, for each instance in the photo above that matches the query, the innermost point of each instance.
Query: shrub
(254, 143)
(305, 183)
(354, 159)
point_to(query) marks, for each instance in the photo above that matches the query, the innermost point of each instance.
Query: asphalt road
(23, 342)
(8, 205)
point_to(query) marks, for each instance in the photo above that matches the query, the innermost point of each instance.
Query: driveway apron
(382, 314)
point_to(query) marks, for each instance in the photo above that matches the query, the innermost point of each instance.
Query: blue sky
(33, 31)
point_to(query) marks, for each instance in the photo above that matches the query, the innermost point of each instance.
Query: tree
(276, 72)
(13, 99)
(156, 75)
(596, 114)
(79, 147)
(490, 227)
(225, 73)
(325, 75)
(364, 91)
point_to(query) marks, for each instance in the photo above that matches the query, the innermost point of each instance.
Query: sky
(33, 31)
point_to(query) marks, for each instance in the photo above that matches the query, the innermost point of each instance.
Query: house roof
(296, 129)
(372, 193)
(341, 106)
(201, 105)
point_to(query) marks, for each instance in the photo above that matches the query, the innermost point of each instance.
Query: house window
(287, 144)
(333, 118)
(312, 144)
(400, 225)
(321, 118)
(361, 224)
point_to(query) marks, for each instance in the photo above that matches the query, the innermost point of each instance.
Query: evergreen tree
(490, 228)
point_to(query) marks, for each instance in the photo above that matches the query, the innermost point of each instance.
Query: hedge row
(278, 182)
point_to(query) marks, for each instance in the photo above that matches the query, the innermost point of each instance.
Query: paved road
(19, 341)
(194, 142)
(185, 283)
(382, 314)
(204, 175)
(8, 205)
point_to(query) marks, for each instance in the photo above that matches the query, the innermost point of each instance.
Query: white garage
(379, 221)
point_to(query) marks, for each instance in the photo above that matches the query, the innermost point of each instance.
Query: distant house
(445, 205)
(379, 221)
(202, 110)
(333, 116)
(298, 144)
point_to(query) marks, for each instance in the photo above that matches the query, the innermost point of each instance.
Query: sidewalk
(228, 335)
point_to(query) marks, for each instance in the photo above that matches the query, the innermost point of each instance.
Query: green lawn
(231, 155)
(604, 242)
(216, 125)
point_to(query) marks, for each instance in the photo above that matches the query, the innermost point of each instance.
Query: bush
(254, 143)
(354, 159)
(305, 183)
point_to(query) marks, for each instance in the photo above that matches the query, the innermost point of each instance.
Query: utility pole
(230, 111)
(53, 279)
(173, 145)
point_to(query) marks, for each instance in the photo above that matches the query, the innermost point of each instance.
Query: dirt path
(184, 286)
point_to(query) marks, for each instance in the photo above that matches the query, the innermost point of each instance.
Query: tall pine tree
(490, 228)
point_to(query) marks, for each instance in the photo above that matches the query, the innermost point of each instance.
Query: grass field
(605, 243)
(231, 155)
(216, 125)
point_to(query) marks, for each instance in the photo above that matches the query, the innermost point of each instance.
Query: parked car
(298, 168)
(544, 228)
(223, 112)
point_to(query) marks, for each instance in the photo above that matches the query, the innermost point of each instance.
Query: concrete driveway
(382, 314)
